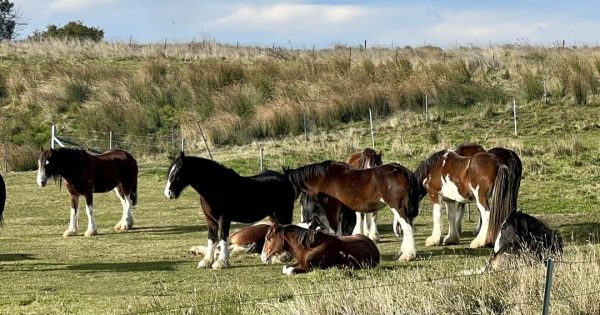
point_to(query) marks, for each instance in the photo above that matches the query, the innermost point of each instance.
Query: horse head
(274, 244)
(48, 166)
(370, 159)
(177, 179)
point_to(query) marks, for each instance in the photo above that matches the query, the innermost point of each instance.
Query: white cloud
(293, 13)
(74, 5)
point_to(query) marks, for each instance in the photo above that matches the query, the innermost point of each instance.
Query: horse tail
(503, 201)
(133, 195)
(2, 198)
(414, 196)
(516, 168)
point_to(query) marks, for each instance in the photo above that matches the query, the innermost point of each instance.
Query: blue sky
(324, 23)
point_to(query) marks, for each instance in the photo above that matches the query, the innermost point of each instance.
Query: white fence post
(515, 115)
(262, 168)
(110, 138)
(182, 144)
(372, 134)
(548, 286)
(52, 136)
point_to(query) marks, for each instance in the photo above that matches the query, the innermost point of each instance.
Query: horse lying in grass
(313, 249)
(247, 240)
(524, 235)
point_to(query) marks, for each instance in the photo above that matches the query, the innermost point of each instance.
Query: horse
(313, 249)
(247, 240)
(364, 223)
(226, 196)
(466, 149)
(2, 198)
(524, 235)
(315, 215)
(452, 178)
(86, 174)
(366, 190)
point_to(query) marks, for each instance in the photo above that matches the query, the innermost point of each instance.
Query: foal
(313, 249)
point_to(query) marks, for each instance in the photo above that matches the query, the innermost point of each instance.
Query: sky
(443, 23)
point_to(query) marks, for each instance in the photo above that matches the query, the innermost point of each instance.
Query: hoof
(68, 233)
(374, 237)
(89, 233)
(205, 263)
(123, 226)
(406, 257)
(288, 270)
(450, 241)
(197, 250)
(220, 264)
(433, 241)
(476, 244)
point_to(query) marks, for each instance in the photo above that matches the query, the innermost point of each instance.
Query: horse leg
(126, 222)
(366, 219)
(407, 249)
(73, 228)
(453, 236)
(358, 227)
(484, 214)
(223, 261)
(373, 232)
(209, 255)
(436, 234)
(460, 212)
(89, 209)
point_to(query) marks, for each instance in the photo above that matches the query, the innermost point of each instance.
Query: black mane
(300, 175)
(305, 237)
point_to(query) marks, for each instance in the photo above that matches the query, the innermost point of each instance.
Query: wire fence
(290, 296)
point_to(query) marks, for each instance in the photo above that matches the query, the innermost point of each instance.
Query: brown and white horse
(86, 174)
(366, 190)
(482, 177)
(314, 249)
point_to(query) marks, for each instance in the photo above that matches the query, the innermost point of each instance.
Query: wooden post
(372, 134)
(110, 139)
(515, 115)
(52, 136)
(262, 168)
(545, 95)
(305, 133)
(182, 144)
(130, 38)
(165, 44)
(365, 45)
(350, 58)
(426, 108)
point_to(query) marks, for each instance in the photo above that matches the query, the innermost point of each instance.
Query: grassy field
(147, 270)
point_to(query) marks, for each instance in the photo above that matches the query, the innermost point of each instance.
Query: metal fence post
(52, 136)
(548, 286)
(182, 144)
(261, 159)
(372, 134)
(515, 115)
(110, 138)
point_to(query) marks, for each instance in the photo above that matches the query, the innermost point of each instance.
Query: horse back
(112, 168)
(362, 250)
(354, 159)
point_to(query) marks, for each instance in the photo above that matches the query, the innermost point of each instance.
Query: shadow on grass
(16, 257)
(169, 229)
(126, 266)
(580, 233)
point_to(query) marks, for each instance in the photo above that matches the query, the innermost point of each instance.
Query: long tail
(133, 195)
(414, 197)
(503, 201)
(2, 198)
(516, 168)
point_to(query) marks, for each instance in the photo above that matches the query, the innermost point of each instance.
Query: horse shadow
(16, 257)
(126, 266)
(580, 233)
(169, 229)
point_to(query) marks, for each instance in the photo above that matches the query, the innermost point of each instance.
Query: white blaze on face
(264, 257)
(168, 186)
(497, 244)
(41, 175)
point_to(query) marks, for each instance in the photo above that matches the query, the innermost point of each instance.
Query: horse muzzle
(42, 180)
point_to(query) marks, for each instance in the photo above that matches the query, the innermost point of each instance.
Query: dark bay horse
(362, 223)
(2, 198)
(482, 177)
(314, 249)
(226, 196)
(86, 174)
(366, 191)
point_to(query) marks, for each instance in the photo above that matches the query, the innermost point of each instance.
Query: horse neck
(70, 166)
(209, 176)
(293, 244)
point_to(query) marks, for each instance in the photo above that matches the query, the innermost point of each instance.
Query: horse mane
(305, 237)
(367, 155)
(224, 171)
(299, 176)
(425, 168)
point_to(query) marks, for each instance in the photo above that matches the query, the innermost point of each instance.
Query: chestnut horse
(466, 149)
(86, 174)
(364, 223)
(313, 249)
(453, 178)
(226, 196)
(366, 190)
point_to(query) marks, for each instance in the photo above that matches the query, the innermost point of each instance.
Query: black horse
(524, 235)
(226, 196)
(2, 198)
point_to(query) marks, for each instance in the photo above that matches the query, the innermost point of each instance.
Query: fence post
(545, 95)
(515, 115)
(110, 138)
(548, 286)
(52, 136)
(426, 107)
(262, 168)
(372, 134)
(182, 144)
(305, 133)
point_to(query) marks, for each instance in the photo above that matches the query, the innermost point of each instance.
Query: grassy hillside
(237, 95)
(147, 270)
